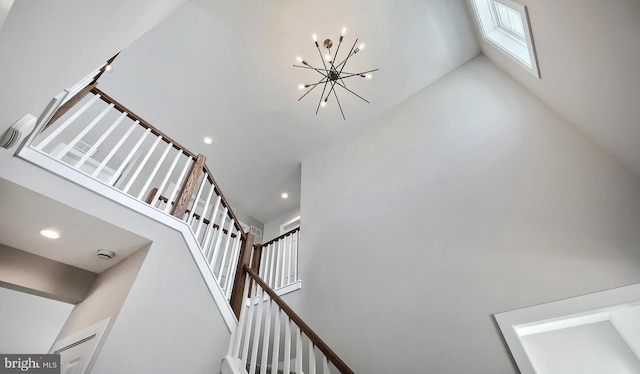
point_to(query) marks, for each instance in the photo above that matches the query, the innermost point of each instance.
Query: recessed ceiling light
(284, 195)
(208, 140)
(49, 233)
(108, 68)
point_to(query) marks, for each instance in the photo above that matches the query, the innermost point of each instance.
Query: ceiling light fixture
(208, 140)
(284, 195)
(332, 71)
(50, 233)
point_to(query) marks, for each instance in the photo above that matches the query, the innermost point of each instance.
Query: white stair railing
(102, 139)
(271, 338)
(279, 260)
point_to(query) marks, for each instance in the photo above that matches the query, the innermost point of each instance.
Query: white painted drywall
(627, 322)
(470, 198)
(593, 348)
(272, 228)
(29, 323)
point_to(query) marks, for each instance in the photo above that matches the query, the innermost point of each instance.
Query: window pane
(516, 23)
(503, 15)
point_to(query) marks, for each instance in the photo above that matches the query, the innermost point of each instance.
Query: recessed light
(108, 68)
(284, 195)
(49, 233)
(208, 140)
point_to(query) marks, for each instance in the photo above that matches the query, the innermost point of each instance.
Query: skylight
(505, 25)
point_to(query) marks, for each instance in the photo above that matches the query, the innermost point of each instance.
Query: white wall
(593, 348)
(468, 199)
(272, 228)
(29, 323)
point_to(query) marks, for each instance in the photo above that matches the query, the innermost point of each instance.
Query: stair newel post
(238, 292)
(182, 202)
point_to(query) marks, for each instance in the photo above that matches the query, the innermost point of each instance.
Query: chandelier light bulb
(301, 87)
(368, 76)
(361, 46)
(299, 59)
(328, 57)
(323, 104)
(315, 37)
(344, 30)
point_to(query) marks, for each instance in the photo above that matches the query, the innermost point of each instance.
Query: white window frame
(519, 50)
(583, 309)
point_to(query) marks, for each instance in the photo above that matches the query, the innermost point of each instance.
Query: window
(505, 25)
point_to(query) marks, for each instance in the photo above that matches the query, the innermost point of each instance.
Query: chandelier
(333, 73)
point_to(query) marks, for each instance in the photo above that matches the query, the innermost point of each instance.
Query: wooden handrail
(225, 202)
(122, 109)
(281, 236)
(322, 346)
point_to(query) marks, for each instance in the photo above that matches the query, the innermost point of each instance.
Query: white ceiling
(224, 69)
(25, 213)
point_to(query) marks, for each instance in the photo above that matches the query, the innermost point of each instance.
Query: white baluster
(295, 255)
(178, 184)
(212, 221)
(289, 257)
(155, 170)
(247, 333)
(312, 358)
(166, 179)
(276, 278)
(276, 341)
(114, 149)
(287, 345)
(142, 165)
(216, 248)
(84, 132)
(325, 365)
(226, 250)
(272, 271)
(284, 262)
(197, 199)
(256, 332)
(205, 210)
(298, 350)
(124, 163)
(265, 341)
(66, 123)
(100, 140)
(235, 352)
(232, 266)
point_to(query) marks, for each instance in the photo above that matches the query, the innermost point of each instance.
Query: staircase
(86, 136)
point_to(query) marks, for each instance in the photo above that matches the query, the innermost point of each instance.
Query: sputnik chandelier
(333, 73)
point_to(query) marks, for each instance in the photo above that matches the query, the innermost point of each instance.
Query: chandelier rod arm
(310, 67)
(321, 57)
(338, 100)
(365, 100)
(348, 56)
(311, 89)
(349, 75)
(337, 50)
(321, 96)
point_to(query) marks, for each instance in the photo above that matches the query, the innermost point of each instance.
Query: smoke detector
(105, 254)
